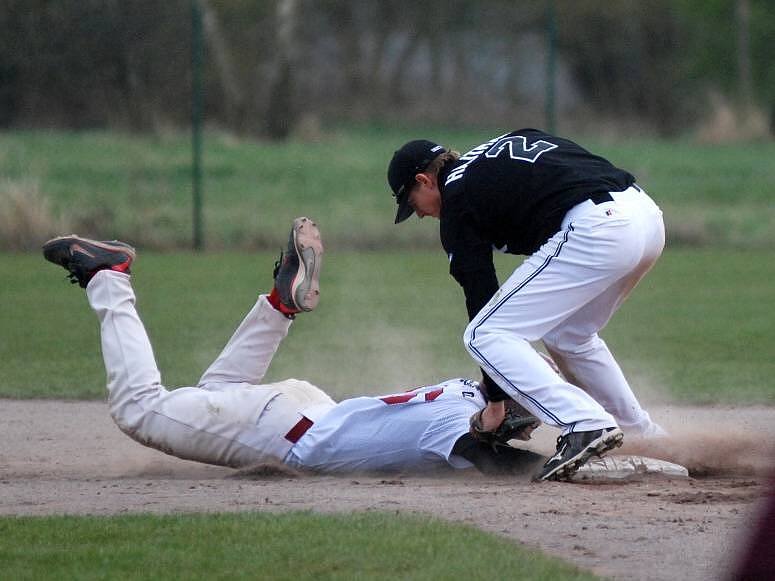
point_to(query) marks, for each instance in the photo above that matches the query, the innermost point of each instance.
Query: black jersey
(512, 193)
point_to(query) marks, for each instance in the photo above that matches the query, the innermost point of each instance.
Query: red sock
(274, 300)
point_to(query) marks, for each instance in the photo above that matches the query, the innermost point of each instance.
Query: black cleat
(297, 273)
(574, 449)
(82, 257)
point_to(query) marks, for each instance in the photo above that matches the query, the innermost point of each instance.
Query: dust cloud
(707, 450)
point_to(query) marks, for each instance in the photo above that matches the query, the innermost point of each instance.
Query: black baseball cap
(407, 162)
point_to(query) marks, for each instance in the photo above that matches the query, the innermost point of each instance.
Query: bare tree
(281, 110)
(234, 106)
(745, 83)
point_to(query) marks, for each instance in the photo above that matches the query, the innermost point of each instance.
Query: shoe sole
(305, 287)
(598, 447)
(66, 242)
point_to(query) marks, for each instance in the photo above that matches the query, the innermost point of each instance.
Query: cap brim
(404, 210)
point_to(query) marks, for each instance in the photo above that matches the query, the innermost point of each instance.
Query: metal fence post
(196, 122)
(551, 65)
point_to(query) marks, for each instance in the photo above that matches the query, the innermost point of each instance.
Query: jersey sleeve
(504, 460)
(491, 390)
(470, 264)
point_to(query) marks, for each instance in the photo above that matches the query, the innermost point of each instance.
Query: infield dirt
(68, 458)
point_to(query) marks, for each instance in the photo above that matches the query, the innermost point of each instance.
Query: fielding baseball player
(230, 418)
(589, 233)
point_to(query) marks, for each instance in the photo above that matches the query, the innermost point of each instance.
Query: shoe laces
(278, 263)
(75, 274)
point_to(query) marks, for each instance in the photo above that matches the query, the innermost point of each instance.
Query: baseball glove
(513, 427)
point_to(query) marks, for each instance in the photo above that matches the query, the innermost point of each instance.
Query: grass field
(696, 330)
(139, 187)
(263, 546)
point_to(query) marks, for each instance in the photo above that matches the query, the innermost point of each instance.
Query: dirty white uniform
(412, 430)
(232, 419)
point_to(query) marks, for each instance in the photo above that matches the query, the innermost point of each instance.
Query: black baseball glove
(514, 427)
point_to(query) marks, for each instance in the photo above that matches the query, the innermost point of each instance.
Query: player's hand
(513, 427)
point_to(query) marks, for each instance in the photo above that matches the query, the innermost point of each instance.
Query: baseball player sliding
(589, 233)
(230, 418)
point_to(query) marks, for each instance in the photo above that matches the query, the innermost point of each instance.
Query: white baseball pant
(229, 419)
(565, 293)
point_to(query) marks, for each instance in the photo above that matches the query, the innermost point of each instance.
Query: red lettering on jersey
(403, 398)
(431, 395)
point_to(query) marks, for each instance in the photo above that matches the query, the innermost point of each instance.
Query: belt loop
(297, 431)
(601, 198)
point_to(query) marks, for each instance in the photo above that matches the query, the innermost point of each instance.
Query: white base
(619, 467)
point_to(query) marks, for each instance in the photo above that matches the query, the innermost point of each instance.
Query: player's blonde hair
(440, 161)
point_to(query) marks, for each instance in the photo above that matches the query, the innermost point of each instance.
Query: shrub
(26, 217)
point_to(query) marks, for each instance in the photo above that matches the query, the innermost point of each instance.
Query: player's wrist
(493, 415)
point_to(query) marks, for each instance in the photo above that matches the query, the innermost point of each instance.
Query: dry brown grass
(727, 122)
(27, 219)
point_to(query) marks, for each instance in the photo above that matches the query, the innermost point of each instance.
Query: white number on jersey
(518, 148)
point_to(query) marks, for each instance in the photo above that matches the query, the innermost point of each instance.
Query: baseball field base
(622, 468)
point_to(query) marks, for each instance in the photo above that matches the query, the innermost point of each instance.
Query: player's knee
(469, 337)
(128, 418)
(477, 339)
(469, 345)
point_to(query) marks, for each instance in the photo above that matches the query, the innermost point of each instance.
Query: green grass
(712, 195)
(138, 188)
(263, 546)
(698, 329)
(700, 326)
